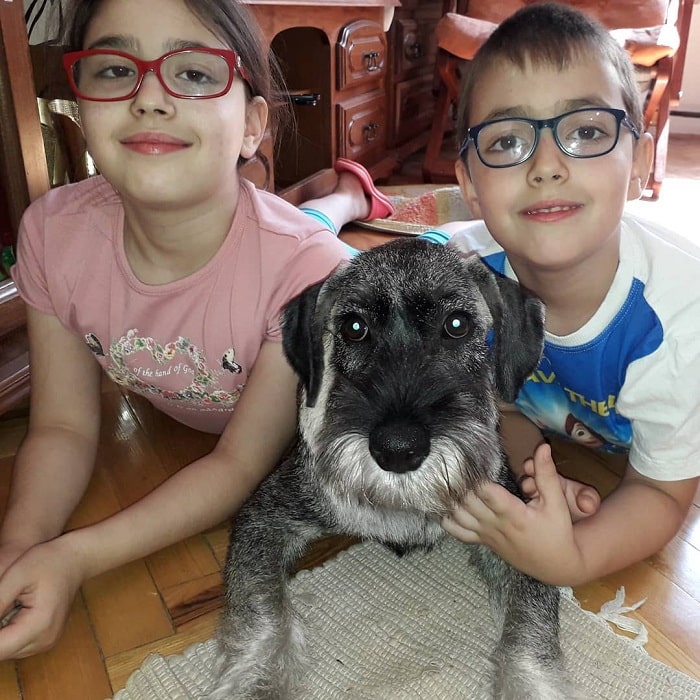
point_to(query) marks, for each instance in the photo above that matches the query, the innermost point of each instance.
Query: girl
(167, 271)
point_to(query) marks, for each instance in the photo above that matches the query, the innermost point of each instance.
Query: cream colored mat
(417, 628)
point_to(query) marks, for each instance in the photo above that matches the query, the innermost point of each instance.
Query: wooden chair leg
(663, 125)
(435, 167)
(432, 159)
(656, 117)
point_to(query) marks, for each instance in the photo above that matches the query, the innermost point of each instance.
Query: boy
(552, 148)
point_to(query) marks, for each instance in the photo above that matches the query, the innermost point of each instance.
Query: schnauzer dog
(402, 355)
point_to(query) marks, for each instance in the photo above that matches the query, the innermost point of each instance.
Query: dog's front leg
(528, 661)
(261, 643)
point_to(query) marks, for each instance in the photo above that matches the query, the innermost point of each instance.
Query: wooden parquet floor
(162, 603)
(171, 599)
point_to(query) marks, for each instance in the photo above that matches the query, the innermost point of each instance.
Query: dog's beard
(456, 464)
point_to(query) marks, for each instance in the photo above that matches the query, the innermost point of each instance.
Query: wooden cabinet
(362, 127)
(410, 89)
(361, 51)
(360, 110)
(370, 66)
(23, 177)
(335, 61)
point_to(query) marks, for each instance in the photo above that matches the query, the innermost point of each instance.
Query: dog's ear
(518, 328)
(301, 340)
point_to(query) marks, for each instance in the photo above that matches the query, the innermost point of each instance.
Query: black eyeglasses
(581, 133)
(103, 75)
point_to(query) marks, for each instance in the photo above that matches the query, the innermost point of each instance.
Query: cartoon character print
(93, 342)
(200, 391)
(578, 431)
(559, 410)
(228, 362)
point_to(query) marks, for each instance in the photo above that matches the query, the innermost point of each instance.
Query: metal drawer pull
(415, 50)
(370, 58)
(304, 99)
(370, 131)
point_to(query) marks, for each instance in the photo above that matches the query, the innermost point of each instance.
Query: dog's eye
(456, 325)
(354, 329)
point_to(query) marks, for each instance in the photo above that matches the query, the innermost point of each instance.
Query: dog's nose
(399, 447)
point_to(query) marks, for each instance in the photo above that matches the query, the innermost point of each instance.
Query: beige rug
(417, 628)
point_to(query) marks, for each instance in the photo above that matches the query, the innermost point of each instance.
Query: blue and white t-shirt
(629, 379)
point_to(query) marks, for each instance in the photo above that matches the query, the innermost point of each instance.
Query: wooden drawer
(413, 108)
(361, 54)
(362, 126)
(415, 45)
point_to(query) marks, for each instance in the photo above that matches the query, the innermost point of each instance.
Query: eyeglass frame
(233, 60)
(622, 119)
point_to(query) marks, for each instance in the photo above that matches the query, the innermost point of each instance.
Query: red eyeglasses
(104, 75)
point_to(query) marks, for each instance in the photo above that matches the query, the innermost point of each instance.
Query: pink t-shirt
(187, 346)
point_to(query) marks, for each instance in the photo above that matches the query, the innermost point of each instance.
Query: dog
(402, 356)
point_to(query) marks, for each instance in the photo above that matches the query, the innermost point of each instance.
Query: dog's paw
(529, 679)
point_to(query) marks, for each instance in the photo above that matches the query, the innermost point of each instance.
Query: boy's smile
(551, 211)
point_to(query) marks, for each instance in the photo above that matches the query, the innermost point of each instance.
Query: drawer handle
(305, 99)
(370, 59)
(415, 50)
(370, 132)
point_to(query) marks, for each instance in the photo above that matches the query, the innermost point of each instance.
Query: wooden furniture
(356, 91)
(333, 57)
(655, 34)
(410, 87)
(23, 177)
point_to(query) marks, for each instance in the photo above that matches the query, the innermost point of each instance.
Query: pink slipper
(380, 205)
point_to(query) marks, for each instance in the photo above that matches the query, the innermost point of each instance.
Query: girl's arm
(202, 494)
(209, 490)
(55, 461)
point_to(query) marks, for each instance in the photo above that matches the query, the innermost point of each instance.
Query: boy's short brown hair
(553, 35)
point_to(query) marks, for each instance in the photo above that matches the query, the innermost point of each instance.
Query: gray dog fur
(398, 420)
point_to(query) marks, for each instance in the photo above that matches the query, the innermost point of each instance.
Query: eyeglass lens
(581, 134)
(186, 74)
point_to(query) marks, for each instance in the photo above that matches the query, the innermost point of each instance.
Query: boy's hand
(583, 500)
(43, 582)
(536, 537)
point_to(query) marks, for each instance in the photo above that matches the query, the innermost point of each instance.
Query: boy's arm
(634, 522)
(520, 437)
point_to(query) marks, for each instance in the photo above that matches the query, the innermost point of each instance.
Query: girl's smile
(152, 143)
